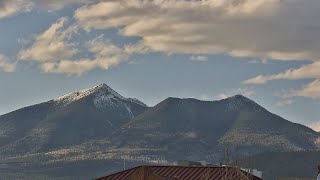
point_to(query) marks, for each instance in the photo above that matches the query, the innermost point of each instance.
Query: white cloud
(311, 90)
(105, 55)
(51, 45)
(222, 96)
(56, 53)
(285, 101)
(199, 58)
(12, 7)
(315, 126)
(248, 92)
(6, 65)
(77, 67)
(309, 71)
(204, 97)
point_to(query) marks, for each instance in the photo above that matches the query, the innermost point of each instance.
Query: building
(181, 173)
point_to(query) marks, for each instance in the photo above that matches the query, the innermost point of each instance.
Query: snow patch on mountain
(129, 111)
(105, 100)
(103, 97)
(104, 91)
(101, 100)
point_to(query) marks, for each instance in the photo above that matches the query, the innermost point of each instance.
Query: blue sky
(267, 50)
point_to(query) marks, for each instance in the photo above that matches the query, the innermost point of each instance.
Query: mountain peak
(106, 89)
(238, 97)
(102, 86)
(100, 94)
(99, 89)
(239, 101)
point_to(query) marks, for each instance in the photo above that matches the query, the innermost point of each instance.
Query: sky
(267, 50)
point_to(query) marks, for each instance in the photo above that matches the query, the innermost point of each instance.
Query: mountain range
(100, 124)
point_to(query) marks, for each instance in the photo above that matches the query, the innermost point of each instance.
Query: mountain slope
(68, 120)
(199, 129)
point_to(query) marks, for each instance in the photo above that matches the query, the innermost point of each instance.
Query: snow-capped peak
(102, 96)
(101, 89)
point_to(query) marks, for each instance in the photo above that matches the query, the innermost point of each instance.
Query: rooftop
(181, 173)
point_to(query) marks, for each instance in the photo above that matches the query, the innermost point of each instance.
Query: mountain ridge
(100, 124)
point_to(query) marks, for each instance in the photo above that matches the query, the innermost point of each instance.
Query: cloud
(309, 71)
(267, 29)
(204, 97)
(77, 67)
(199, 58)
(243, 91)
(6, 65)
(315, 126)
(105, 53)
(311, 90)
(285, 101)
(59, 4)
(264, 29)
(51, 45)
(12, 7)
(56, 53)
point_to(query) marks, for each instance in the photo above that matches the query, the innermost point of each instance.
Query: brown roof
(181, 173)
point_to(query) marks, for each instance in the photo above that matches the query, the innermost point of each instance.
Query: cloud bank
(268, 29)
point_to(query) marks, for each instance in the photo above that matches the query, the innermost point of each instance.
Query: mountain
(199, 130)
(99, 126)
(68, 120)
